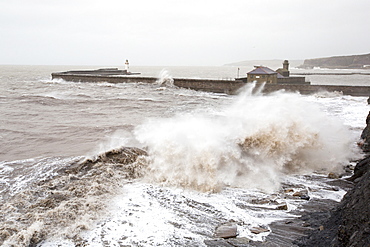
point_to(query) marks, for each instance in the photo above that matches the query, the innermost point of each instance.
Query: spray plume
(251, 143)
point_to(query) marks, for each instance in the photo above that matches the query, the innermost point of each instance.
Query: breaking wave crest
(251, 143)
(165, 79)
(69, 202)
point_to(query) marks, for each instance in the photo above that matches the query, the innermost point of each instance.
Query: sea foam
(165, 79)
(250, 143)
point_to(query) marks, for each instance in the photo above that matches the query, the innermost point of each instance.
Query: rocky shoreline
(308, 218)
(348, 224)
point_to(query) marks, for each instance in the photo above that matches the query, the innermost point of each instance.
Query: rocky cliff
(339, 62)
(349, 223)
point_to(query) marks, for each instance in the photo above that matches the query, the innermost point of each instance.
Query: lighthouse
(127, 66)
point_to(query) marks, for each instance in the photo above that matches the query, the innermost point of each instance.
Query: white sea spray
(250, 143)
(165, 78)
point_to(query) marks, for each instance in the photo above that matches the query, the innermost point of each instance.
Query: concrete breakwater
(217, 85)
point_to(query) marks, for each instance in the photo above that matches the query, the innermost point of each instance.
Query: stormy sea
(135, 164)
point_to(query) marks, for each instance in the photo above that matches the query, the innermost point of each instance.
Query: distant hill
(273, 64)
(339, 62)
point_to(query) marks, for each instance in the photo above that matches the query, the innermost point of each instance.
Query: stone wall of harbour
(218, 85)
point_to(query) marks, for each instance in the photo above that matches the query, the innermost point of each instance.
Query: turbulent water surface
(197, 160)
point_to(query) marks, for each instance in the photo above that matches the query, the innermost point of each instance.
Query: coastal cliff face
(349, 223)
(339, 62)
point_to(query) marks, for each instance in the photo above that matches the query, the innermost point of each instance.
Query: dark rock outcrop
(365, 136)
(362, 167)
(349, 222)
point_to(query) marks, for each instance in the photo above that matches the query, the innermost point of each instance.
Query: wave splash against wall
(250, 143)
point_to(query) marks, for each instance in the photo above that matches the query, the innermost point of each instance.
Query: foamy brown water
(256, 136)
(208, 159)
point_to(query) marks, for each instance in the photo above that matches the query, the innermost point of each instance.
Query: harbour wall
(310, 89)
(330, 73)
(103, 78)
(218, 86)
(209, 85)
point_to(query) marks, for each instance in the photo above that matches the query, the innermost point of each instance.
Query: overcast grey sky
(179, 32)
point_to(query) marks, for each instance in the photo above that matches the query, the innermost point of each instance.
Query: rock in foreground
(228, 230)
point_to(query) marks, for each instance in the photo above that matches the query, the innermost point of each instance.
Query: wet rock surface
(309, 216)
(303, 194)
(233, 242)
(365, 136)
(286, 232)
(228, 230)
(348, 224)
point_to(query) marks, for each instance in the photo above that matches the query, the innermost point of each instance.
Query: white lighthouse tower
(127, 66)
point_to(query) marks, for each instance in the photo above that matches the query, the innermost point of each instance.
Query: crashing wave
(251, 143)
(69, 202)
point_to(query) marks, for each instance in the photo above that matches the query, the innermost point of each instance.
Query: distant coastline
(334, 62)
(331, 73)
(339, 62)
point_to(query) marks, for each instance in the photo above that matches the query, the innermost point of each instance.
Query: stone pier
(216, 85)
